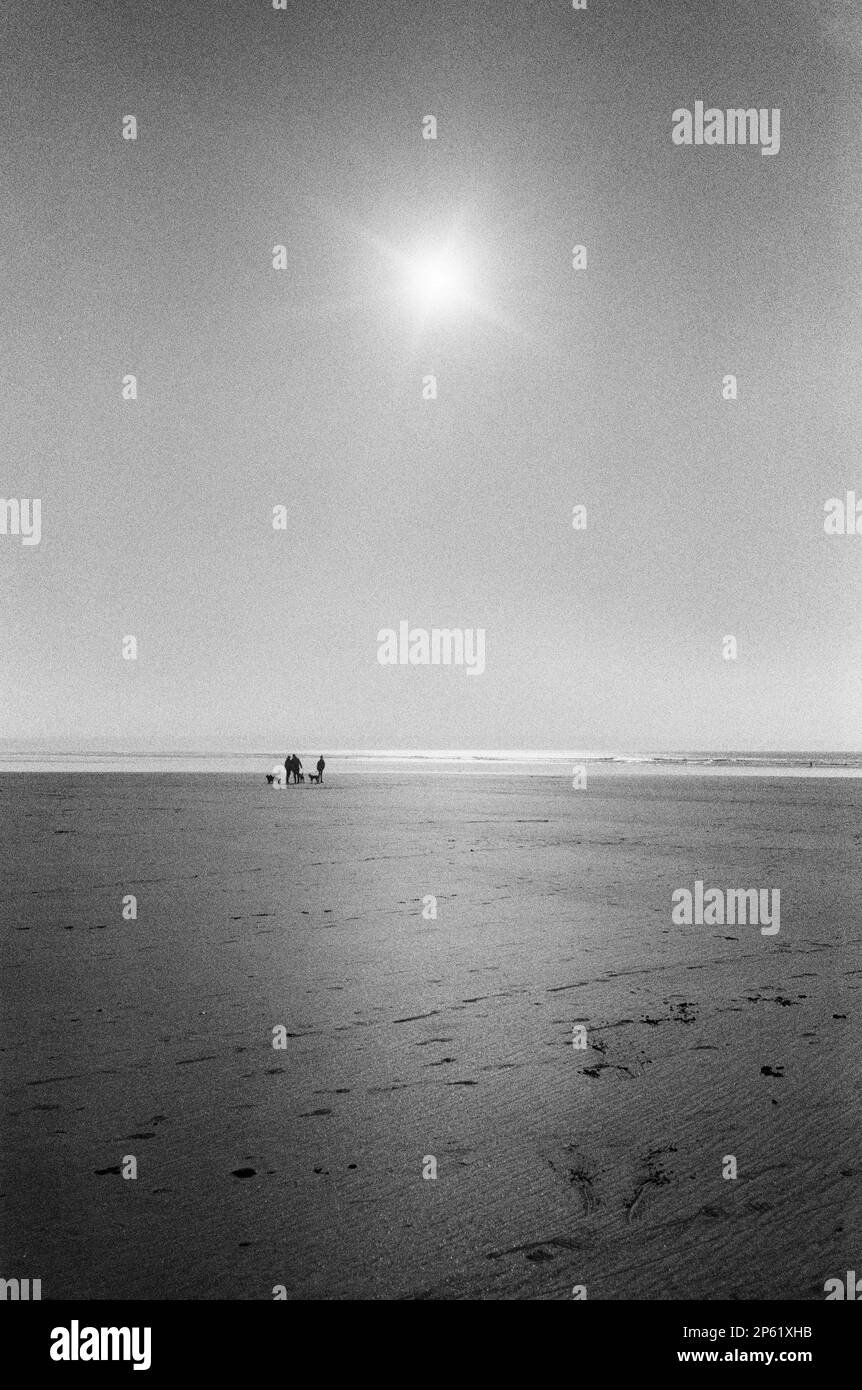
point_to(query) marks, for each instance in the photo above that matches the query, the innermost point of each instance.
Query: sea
(440, 762)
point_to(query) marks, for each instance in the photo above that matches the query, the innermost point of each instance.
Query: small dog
(314, 777)
(302, 776)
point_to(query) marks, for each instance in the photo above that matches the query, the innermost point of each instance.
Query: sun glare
(435, 280)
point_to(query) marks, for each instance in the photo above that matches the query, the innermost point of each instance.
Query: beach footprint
(579, 1172)
(582, 1181)
(652, 1177)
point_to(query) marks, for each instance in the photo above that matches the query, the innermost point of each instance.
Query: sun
(435, 280)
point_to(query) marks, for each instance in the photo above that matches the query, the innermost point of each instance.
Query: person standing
(320, 766)
(288, 764)
(297, 767)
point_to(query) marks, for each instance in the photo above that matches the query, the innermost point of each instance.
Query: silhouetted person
(320, 766)
(297, 767)
(288, 764)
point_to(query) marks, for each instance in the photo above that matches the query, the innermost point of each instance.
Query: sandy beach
(409, 1037)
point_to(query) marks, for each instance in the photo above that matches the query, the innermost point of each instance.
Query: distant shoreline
(458, 764)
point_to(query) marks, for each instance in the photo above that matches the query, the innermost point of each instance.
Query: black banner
(222, 1339)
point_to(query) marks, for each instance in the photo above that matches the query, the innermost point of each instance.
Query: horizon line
(22, 747)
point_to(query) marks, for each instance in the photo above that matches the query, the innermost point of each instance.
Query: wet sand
(302, 1166)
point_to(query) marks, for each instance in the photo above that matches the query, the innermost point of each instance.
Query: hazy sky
(555, 387)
